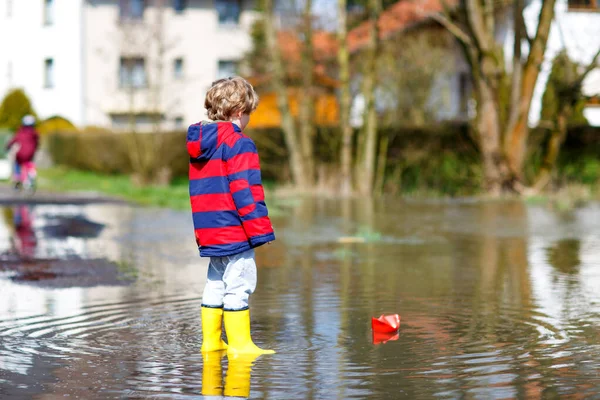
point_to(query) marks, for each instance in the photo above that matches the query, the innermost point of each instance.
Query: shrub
(443, 159)
(55, 124)
(109, 153)
(14, 107)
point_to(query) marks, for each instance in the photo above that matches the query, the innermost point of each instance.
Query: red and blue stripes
(226, 194)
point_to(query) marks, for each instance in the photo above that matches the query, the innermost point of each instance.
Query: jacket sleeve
(243, 174)
(11, 142)
(36, 139)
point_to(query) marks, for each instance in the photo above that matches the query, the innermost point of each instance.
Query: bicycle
(25, 178)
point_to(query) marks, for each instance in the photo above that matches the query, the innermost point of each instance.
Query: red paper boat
(386, 323)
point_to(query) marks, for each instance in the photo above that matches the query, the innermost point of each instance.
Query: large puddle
(497, 300)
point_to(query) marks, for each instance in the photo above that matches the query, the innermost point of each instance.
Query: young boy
(229, 212)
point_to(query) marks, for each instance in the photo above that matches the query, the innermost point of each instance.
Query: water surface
(497, 300)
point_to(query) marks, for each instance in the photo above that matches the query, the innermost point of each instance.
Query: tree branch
(475, 18)
(521, 22)
(517, 68)
(488, 13)
(453, 29)
(538, 44)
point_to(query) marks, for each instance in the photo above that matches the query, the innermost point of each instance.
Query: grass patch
(60, 179)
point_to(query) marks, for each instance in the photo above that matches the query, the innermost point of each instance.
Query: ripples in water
(494, 308)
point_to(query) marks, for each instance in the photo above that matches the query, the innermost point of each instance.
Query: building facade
(116, 63)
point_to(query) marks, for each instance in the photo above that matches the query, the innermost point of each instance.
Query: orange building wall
(267, 114)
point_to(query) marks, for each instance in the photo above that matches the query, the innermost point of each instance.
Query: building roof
(291, 46)
(324, 45)
(397, 17)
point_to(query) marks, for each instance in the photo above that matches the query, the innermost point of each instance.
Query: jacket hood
(204, 138)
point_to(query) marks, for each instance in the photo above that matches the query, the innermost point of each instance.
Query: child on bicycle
(27, 139)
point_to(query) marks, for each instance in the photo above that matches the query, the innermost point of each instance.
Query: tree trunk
(515, 142)
(488, 127)
(278, 85)
(307, 109)
(367, 177)
(343, 58)
(381, 165)
(557, 137)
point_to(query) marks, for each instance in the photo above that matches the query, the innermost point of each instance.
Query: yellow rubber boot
(237, 379)
(237, 327)
(212, 322)
(212, 373)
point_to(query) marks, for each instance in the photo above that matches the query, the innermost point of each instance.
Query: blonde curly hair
(228, 96)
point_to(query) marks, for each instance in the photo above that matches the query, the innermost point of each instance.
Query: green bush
(14, 107)
(55, 124)
(110, 153)
(440, 159)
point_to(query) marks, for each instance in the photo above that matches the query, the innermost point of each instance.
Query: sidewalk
(10, 196)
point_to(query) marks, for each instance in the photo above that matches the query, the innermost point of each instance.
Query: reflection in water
(24, 239)
(497, 299)
(564, 256)
(237, 378)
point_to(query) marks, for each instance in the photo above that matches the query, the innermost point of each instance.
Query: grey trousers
(231, 281)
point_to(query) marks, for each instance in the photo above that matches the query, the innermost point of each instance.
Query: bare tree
(307, 108)
(343, 57)
(148, 42)
(297, 164)
(502, 146)
(369, 132)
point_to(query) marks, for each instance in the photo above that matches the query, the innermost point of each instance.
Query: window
(178, 122)
(229, 11)
(132, 72)
(583, 4)
(48, 12)
(49, 73)
(131, 9)
(227, 69)
(178, 68)
(179, 6)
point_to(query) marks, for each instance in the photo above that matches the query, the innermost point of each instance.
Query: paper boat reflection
(379, 338)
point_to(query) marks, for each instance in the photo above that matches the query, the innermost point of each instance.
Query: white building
(97, 62)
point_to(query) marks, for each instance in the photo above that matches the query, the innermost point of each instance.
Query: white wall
(194, 35)
(26, 42)
(579, 33)
(86, 43)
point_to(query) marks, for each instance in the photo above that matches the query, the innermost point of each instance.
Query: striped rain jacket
(228, 201)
